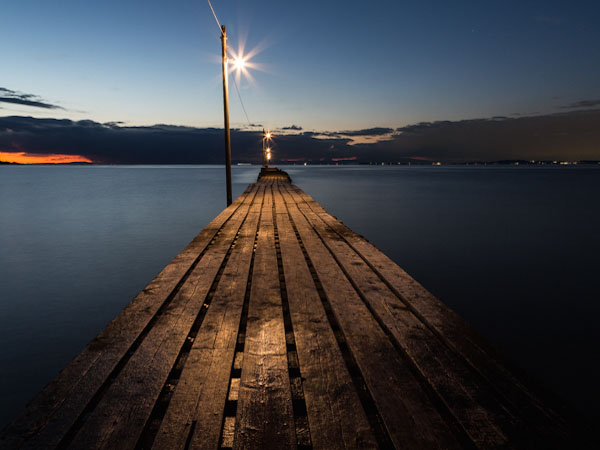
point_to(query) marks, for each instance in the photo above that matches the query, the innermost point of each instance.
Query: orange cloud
(33, 158)
(348, 158)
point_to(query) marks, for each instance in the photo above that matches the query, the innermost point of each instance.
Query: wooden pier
(278, 327)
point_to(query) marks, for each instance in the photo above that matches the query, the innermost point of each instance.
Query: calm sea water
(514, 250)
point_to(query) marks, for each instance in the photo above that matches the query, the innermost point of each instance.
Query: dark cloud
(582, 104)
(378, 131)
(566, 136)
(18, 98)
(292, 127)
(571, 135)
(114, 144)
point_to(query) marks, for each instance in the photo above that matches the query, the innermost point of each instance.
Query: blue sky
(329, 65)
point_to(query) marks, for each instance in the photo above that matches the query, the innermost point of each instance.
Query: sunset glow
(33, 158)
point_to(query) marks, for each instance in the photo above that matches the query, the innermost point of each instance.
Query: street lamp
(266, 152)
(239, 63)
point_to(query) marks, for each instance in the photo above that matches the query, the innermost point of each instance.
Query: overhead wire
(241, 101)
(215, 16)
(237, 89)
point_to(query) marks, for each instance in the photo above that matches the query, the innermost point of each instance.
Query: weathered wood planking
(264, 414)
(201, 392)
(451, 328)
(336, 418)
(446, 372)
(205, 358)
(411, 419)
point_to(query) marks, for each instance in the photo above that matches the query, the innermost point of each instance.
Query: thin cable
(234, 81)
(241, 102)
(213, 11)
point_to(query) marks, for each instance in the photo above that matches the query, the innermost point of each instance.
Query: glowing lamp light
(266, 150)
(239, 63)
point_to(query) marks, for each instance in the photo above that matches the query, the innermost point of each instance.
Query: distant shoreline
(340, 163)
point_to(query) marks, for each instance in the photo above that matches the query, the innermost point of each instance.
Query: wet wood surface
(278, 327)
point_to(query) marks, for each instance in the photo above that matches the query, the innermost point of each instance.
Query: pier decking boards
(278, 327)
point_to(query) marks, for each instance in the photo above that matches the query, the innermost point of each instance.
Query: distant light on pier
(266, 151)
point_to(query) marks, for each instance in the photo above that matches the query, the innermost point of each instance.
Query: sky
(322, 66)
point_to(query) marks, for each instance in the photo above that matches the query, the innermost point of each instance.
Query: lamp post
(226, 115)
(266, 152)
(263, 148)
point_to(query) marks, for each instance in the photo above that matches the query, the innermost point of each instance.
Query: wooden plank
(411, 419)
(335, 414)
(200, 394)
(264, 415)
(119, 418)
(486, 421)
(454, 331)
(49, 416)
